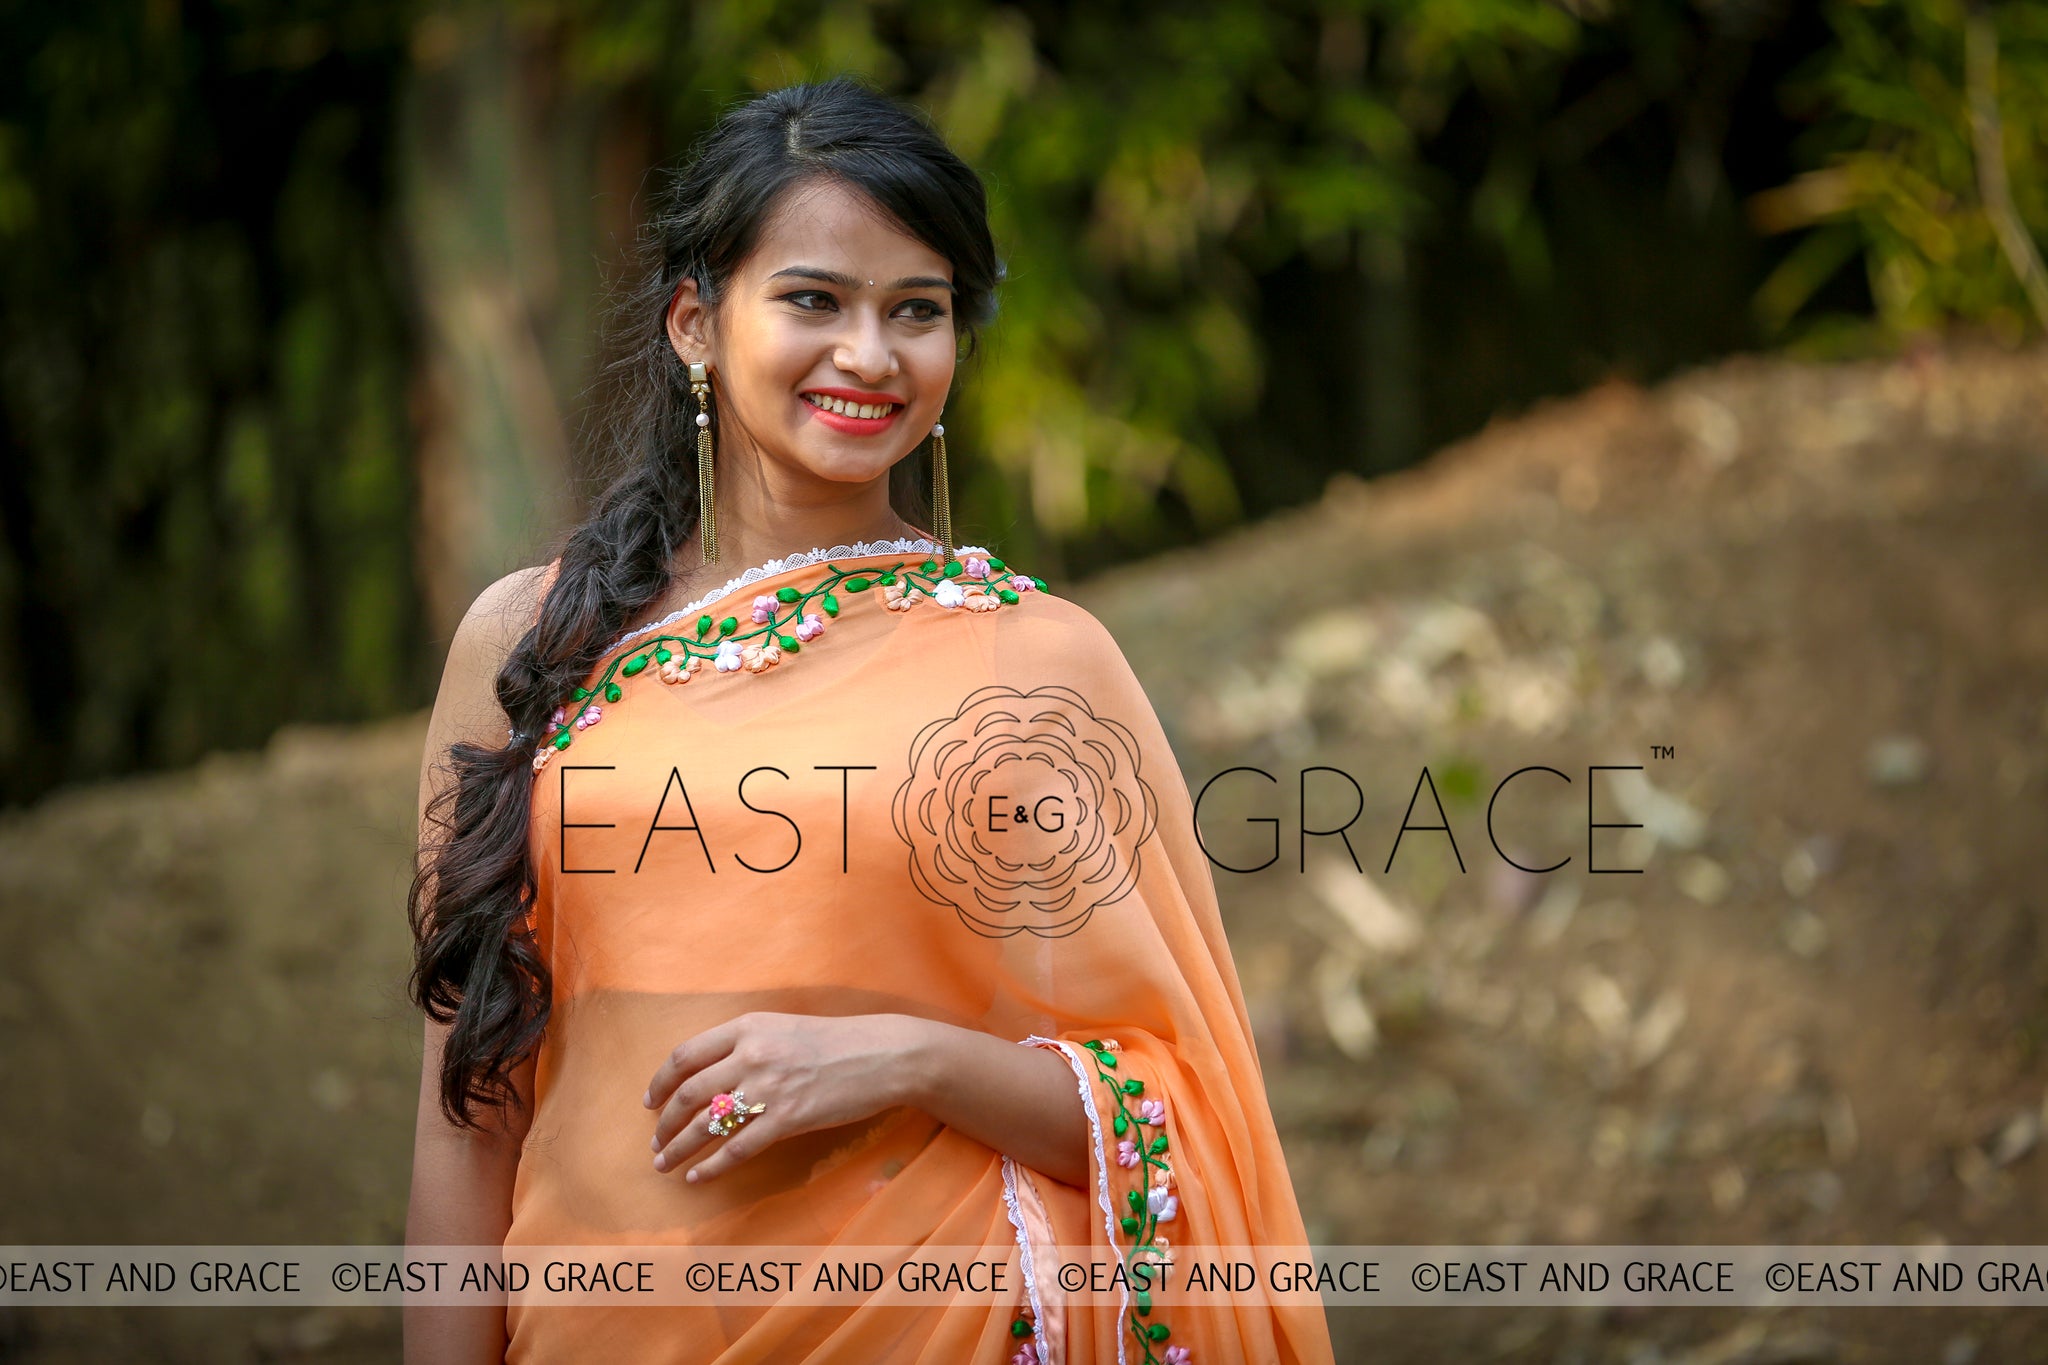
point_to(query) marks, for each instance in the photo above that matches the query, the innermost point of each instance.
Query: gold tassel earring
(707, 522)
(942, 496)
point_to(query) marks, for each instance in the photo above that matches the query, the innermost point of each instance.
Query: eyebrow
(812, 272)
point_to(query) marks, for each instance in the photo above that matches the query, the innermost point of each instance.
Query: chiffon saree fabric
(950, 799)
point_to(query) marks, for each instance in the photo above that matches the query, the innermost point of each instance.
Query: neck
(760, 518)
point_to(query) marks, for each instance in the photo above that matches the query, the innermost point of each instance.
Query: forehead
(827, 224)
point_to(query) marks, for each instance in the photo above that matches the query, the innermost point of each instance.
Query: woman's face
(801, 321)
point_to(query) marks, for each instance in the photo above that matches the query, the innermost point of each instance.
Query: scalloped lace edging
(1024, 1256)
(795, 561)
(1101, 1168)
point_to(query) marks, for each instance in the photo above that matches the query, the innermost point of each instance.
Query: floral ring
(729, 1111)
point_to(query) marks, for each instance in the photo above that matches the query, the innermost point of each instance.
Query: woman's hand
(811, 1071)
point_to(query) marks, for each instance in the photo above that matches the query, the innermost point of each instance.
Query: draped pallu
(951, 799)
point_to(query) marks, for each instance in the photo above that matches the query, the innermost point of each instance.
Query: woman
(736, 941)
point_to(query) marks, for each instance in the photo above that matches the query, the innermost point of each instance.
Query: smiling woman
(998, 1012)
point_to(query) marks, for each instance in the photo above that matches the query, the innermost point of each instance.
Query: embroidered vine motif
(1153, 1200)
(783, 623)
(1022, 1330)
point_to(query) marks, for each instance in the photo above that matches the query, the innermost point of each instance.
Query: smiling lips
(835, 403)
(845, 415)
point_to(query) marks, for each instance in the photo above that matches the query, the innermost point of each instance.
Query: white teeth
(846, 409)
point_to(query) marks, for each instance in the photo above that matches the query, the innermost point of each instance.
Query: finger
(753, 1136)
(695, 1136)
(688, 1106)
(689, 1056)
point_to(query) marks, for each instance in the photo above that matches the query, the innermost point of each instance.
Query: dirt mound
(1810, 603)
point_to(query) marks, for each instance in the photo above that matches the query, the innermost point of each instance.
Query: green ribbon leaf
(580, 694)
(634, 666)
(857, 585)
(703, 626)
(831, 605)
(728, 625)
(788, 643)
(612, 692)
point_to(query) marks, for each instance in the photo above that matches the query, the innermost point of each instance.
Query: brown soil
(1817, 1015)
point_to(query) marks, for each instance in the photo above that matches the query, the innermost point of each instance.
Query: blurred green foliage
(211, 403)
(1897, 188)
(205, 525)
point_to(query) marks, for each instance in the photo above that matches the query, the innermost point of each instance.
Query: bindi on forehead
(827, 220)
(846, 281)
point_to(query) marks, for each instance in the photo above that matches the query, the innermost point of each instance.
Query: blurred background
(1450, 385)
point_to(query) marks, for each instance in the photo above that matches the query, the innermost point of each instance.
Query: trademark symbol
(1663, 751)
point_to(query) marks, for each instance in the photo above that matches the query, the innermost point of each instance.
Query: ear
(689, 322)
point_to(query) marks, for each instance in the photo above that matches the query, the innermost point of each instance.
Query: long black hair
(475, 965)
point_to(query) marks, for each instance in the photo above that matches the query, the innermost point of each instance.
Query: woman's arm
(1022, 1101)
(462, 1178)
(816, 1072)
(461, 1196)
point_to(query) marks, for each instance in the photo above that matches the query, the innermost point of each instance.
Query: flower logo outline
(1049, 739)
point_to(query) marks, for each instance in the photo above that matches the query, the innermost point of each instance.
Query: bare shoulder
(466, 708)
(503, 611)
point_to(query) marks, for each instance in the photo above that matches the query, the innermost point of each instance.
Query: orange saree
(854, 782)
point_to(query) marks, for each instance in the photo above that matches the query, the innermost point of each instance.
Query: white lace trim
(1101, 1169)
(796, 561)
(1024, 1254)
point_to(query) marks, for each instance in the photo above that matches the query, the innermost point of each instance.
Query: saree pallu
(950, 799)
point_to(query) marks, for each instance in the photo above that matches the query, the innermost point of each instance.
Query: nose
(867, 352)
